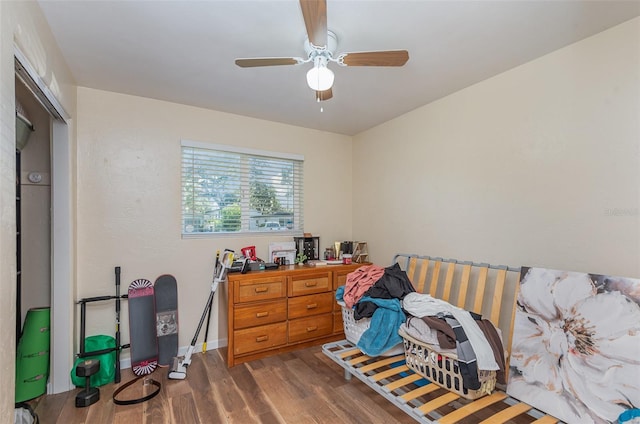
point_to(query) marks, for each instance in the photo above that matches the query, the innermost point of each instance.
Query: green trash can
(32, 360)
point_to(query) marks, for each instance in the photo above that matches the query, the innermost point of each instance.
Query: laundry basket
(353, 329)
(442, 369)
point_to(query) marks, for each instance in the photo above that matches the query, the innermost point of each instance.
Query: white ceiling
(184, 51)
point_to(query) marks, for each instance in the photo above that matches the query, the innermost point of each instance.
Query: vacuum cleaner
(178, 370)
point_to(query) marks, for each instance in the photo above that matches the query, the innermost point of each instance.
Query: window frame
(246, 152)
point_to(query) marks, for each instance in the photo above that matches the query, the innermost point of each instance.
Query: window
(230, 190)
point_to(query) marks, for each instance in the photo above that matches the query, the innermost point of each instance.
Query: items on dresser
(357, 249)
(285, 250)
(308, 246)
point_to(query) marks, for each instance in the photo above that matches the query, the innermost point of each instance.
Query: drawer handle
(262, 339)
(310, 329)
(311, 283)
(261, 289)
(262, 314)
(312, 306)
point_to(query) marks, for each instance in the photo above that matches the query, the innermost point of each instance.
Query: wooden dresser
(277, 311)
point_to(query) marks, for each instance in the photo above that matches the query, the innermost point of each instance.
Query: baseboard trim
(182, 350)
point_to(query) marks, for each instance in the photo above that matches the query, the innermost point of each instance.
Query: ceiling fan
(320, 47)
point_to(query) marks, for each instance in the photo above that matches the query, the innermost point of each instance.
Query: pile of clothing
(376, 293)
(447, 328)
(387, 297)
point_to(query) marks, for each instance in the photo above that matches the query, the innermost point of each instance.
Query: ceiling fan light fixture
(320, 47)
(320, 78)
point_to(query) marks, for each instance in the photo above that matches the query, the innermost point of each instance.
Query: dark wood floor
(304, 386)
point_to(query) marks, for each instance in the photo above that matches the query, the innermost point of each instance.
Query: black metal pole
(83, 322)
(117, 376)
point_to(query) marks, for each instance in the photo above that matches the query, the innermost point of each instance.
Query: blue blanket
(382, 333)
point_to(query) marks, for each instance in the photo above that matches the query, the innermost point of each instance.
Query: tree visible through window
(231, 190)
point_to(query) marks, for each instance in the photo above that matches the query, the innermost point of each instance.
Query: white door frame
(62, 229)
(62, 262)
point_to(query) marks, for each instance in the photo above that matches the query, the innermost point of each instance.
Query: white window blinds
(226, 189)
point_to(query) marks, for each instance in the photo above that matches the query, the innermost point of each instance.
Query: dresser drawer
(338, 324)
(301, 285)
(313, 304)
(341, 279)
(310, 328)
(259, 289)
(259, 314)
(259, 338)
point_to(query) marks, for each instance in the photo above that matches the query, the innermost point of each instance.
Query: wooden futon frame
(483, 288)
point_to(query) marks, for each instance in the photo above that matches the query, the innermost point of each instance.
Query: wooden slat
(472, 408)
(507, 414)
(438, 402)
(420, 391)
(448, 281)
(388, 373)
(358, 360)
(403, 381)
(496, 302)
(464, 286)
(381, 363)
(411, 269)
(482, 282)
(424, 266)
(433, 287)
(350, 352)
(547, 419)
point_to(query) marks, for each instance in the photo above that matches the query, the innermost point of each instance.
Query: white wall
(22, 24)
(129, 204)
(538, 166)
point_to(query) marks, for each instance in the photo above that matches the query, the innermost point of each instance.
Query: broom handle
(206, 330)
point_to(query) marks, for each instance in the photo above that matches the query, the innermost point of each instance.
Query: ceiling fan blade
(266, 61)
(314, 13)
(324, 95)
(384, 58)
